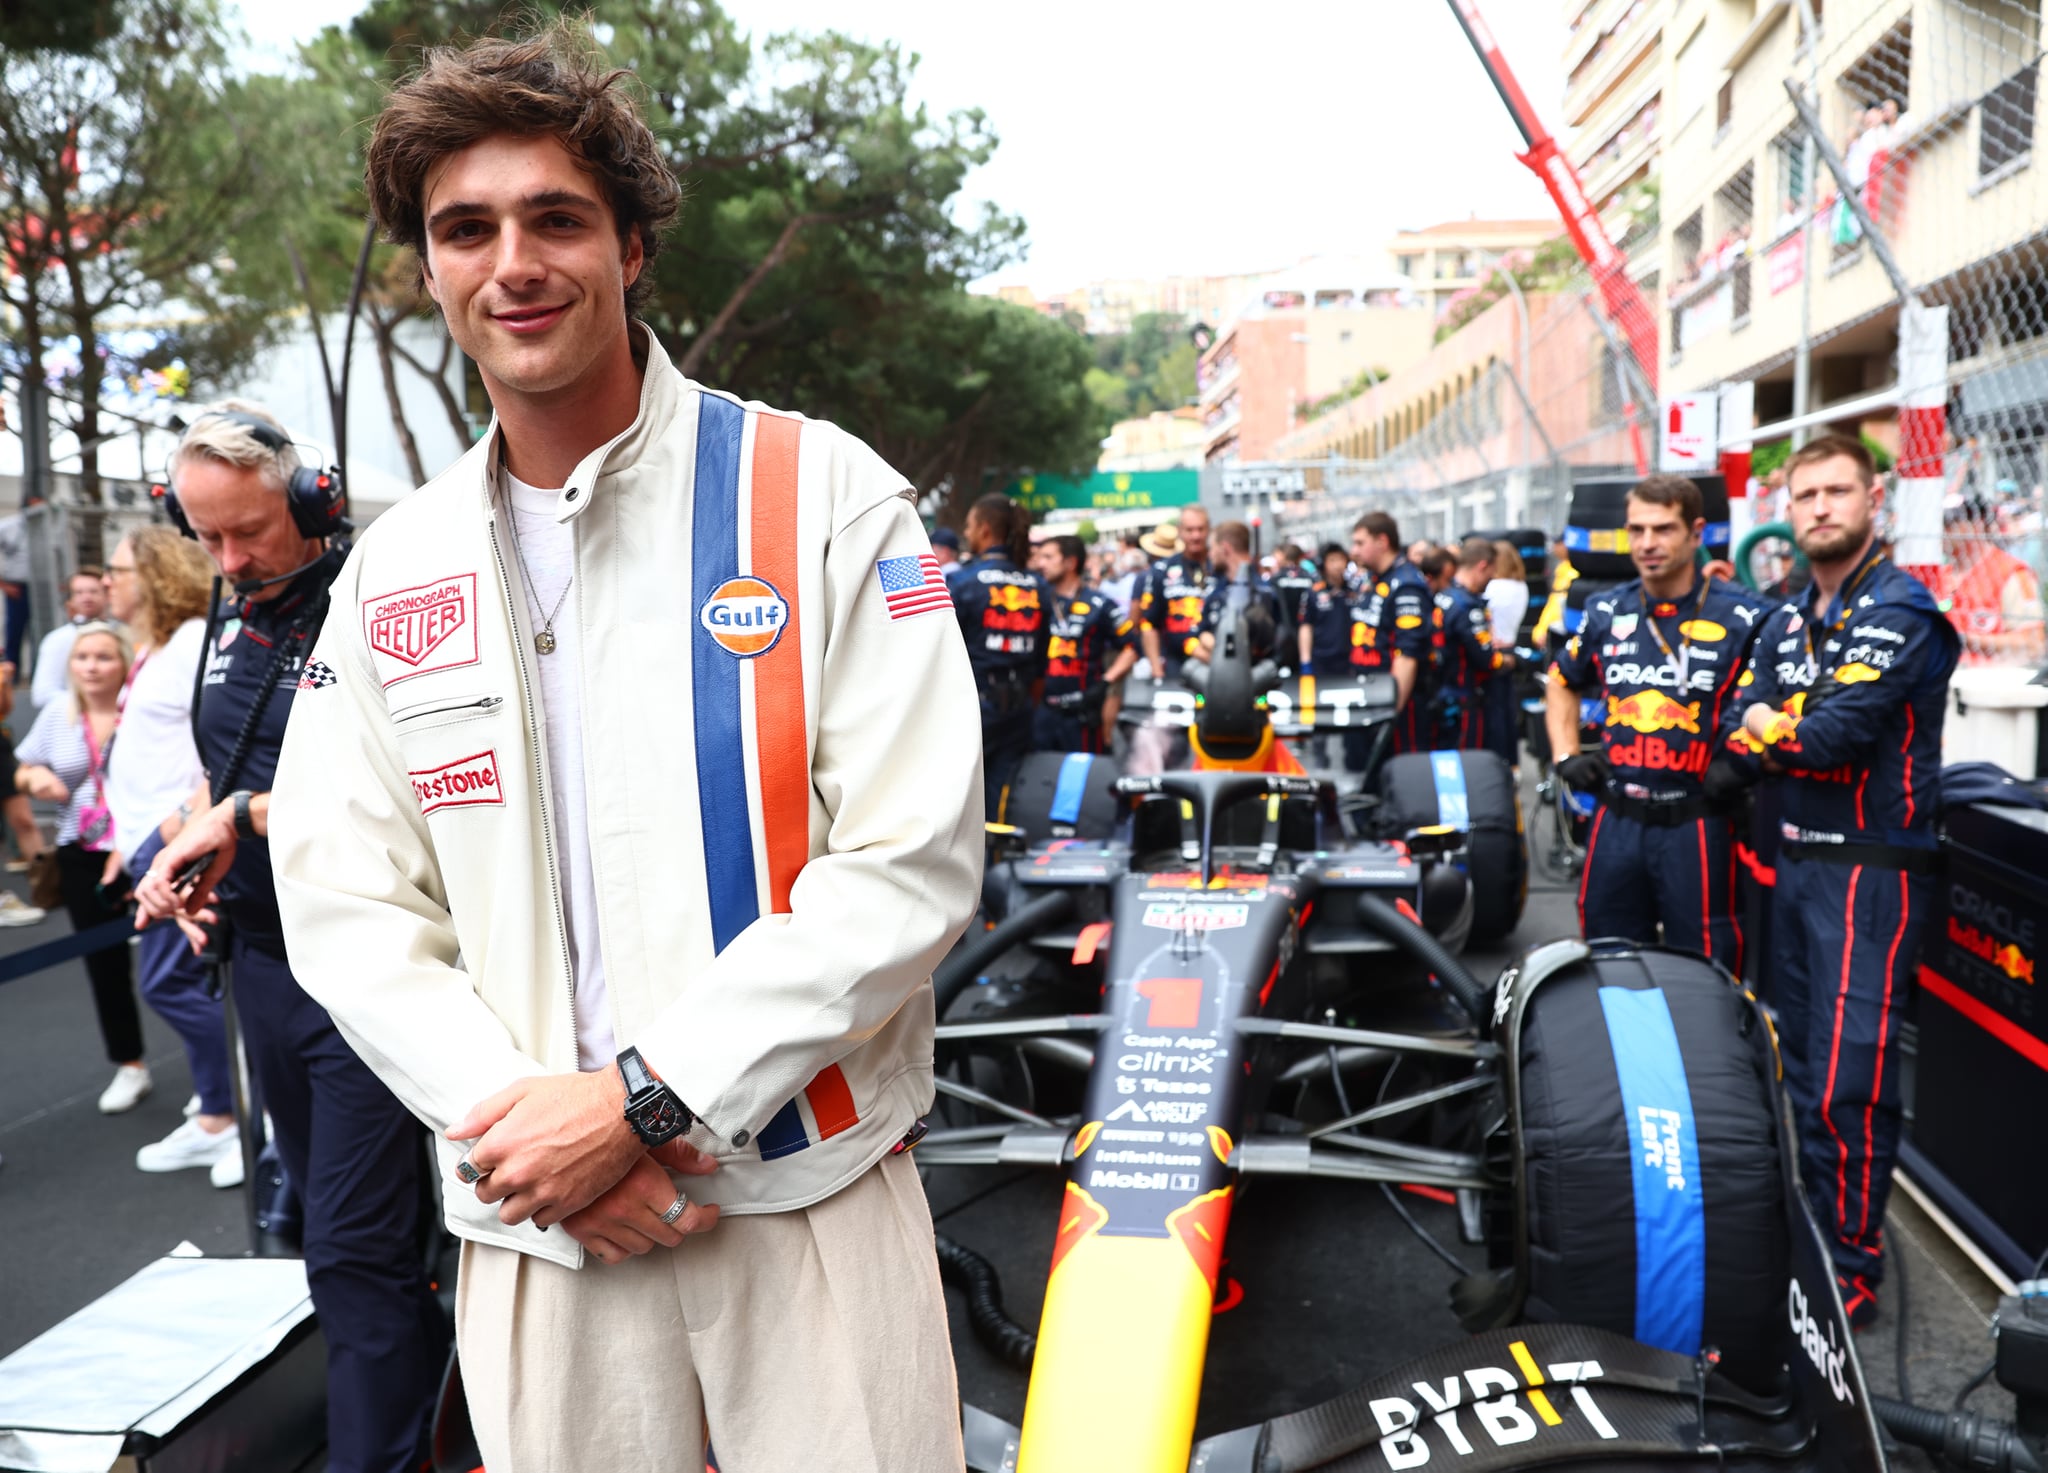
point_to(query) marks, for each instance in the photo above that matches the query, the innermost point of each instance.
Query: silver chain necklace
(543, 637)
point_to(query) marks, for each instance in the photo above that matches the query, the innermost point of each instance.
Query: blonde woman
(63, 760)
(157, 584)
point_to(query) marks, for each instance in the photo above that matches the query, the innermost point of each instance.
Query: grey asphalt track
(1335, 1287)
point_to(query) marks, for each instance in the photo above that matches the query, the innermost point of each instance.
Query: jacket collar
(661, 395)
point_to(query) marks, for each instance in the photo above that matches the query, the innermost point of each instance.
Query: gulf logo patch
(745, 616)
(422, 629)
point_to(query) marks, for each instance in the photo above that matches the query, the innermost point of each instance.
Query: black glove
(1093, 697)
(1726, 780)
(1824, 686)
(1585, 772)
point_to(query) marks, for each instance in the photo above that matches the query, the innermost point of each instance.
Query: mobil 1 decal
(1166, 1092)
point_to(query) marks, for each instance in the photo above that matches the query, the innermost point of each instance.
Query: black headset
(316, 499)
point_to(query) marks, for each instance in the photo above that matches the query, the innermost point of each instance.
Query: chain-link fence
(1809, 229)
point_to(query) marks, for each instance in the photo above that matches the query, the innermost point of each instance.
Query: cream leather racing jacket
(782, 755)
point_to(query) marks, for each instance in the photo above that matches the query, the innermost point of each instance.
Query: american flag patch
(318, 675)
(913, 585)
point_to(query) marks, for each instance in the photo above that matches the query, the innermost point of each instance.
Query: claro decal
(1821, 1347)
(467, 782)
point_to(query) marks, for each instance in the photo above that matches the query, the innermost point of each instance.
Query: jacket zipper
(547, 828)
(442, 707)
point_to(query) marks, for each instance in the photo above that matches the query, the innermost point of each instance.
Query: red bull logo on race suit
(1653, 711)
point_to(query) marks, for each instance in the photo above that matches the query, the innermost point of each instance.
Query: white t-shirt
(154, 767)
(548, 548)
(1507, 600)
(52, 680)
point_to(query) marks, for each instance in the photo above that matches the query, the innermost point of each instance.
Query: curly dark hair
(554, 82)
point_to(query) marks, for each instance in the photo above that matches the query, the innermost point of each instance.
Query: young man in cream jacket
(627, 808)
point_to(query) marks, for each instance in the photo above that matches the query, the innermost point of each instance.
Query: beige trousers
(811, 1341)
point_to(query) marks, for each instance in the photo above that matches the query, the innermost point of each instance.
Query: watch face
(661, 1115)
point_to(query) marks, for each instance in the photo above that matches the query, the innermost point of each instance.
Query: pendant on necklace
(545, 641)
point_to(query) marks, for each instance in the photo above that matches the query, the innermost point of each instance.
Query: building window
(1788, 152)
(1687, 243)
(1407, 264)
(2006, 120)
(1724, 109)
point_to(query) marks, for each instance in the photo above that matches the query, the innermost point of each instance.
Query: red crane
(1626, 309)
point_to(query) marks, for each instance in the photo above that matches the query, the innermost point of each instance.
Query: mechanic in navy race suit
(1005, 613)
(1293, 580)
(1092, 647)
(1394, 624)
(1845, 695)
(1664, 653)
(1465, 709)
(1170, 608)
(1324, 619)
(1238, 584)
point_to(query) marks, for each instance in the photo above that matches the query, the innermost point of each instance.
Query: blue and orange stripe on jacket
(747, 481)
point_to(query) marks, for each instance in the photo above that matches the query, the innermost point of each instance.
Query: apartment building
(1309, 333)
(1931, 104)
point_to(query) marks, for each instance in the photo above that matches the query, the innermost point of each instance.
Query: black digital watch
(656, 1113)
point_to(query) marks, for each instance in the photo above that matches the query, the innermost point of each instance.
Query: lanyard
(1845, 600)
(1682, 661)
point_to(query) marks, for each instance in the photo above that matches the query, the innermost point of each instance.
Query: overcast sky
(1155, 137)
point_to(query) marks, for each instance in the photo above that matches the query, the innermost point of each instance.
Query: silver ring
(681, 1205)
(467, 1172)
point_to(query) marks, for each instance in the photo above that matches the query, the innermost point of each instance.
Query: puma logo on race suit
(417, 630)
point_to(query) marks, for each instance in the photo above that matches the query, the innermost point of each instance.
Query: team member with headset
(1664, 653)
(273, 529)
(1005, 613)
(1844, 697)
(1092, 647)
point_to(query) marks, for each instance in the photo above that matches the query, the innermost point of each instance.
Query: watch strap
(245, 821)
(633, 1069)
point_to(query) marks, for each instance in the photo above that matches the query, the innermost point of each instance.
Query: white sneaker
(14, 911)
(131, 1085)
(191, 1144)
(192, 1107)
(227, 1172)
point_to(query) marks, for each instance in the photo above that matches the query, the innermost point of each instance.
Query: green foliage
(1546, 268)
(1364, 379)
(1087, 532)
(1878, 453)
(127, 175)
(76, 26)
(1149, 368)
(1766, 458)
(820, 262)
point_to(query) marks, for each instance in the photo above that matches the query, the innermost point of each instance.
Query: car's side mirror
(1435, 841)
(1006, 840)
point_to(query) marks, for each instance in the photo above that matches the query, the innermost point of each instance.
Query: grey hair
(212, 436)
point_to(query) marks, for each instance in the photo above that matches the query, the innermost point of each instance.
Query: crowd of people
(1052, 627)
(1832, 699)
(650, 959)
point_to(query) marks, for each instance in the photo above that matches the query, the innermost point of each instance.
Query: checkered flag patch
(318, 675)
